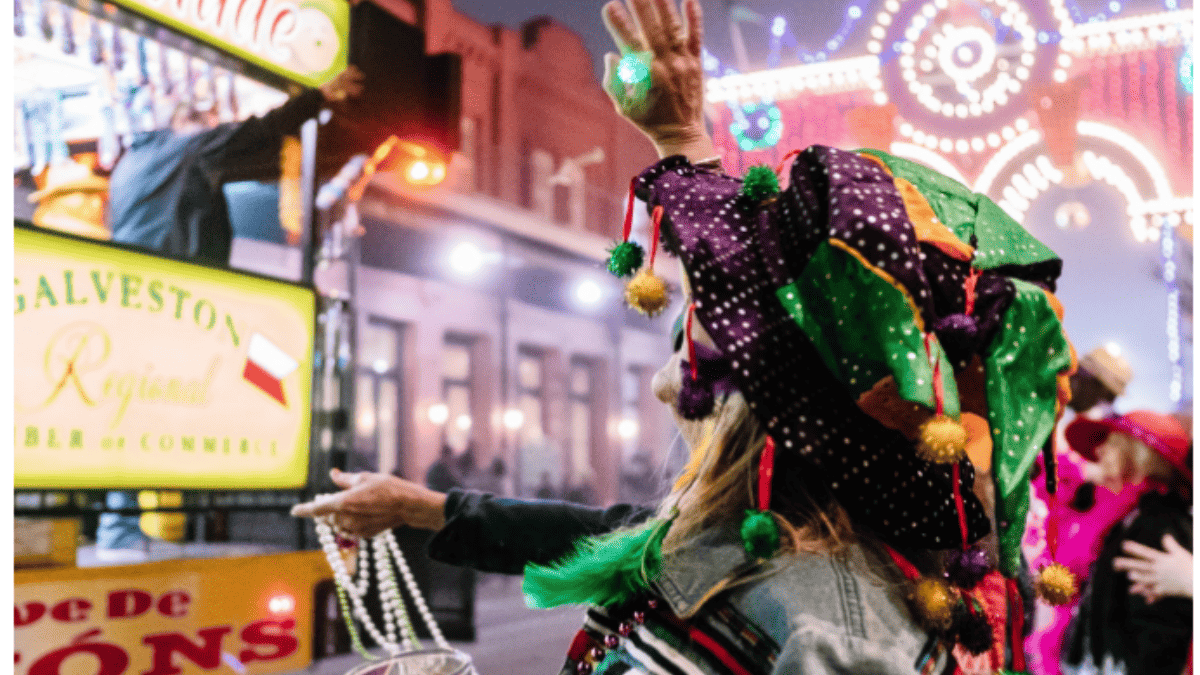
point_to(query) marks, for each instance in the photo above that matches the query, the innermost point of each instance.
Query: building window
(581, 397)
(540, 468)
(526, 175)
(379, 423)
(638, 483)
(457, 378)
(562, 203)
(469, 180)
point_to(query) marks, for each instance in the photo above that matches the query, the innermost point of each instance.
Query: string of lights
(1170, 275)
(781, 33)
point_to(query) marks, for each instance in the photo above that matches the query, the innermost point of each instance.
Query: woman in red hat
(1132, 627)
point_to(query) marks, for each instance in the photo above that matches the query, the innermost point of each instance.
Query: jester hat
(868, 297)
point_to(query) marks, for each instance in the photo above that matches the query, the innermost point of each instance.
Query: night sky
(812, 22)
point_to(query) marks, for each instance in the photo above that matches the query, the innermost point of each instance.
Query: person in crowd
(491, 480)
(165, 192)
(441, 475)
(1136, 613)
(841, 350)
(1082, 513)
(545, 488)
(466, 465)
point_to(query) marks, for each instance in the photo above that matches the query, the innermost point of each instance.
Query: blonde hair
(720, 484)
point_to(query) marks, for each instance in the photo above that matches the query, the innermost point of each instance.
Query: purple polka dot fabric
(738, 253)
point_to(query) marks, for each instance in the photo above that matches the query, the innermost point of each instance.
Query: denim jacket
(801, 613)
(841, 613)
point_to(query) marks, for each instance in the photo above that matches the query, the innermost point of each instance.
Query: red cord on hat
(969, 290)
(691, 346)
(766, 469)
(939, 395)
(1016, 611)
(656, 220)
(783, 165)
(939, 392)
(958, 504)
(909, 571)
(628, 226)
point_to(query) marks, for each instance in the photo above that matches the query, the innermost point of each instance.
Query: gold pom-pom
(942, 441)
(1056, 584)
(935, 601)
(647, 292)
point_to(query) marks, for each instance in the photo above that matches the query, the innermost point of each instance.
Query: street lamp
(439, 413)
(588, 293)
(466, 259)
(513, 419)
(627, 429)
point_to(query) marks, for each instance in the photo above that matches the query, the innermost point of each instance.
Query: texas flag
(266, 366)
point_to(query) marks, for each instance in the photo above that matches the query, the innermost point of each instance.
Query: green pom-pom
(760, 182)
(625, 258)
(760, 534)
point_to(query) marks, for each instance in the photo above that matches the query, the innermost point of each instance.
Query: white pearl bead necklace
(398, 635)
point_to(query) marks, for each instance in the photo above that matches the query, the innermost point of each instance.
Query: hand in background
(370, 503)
(346, 84)
(1156, 574)
(671, 110)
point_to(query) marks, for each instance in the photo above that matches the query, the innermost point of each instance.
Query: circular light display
(756, 126)
(962, 70)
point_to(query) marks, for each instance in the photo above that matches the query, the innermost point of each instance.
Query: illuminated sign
(138, 371)
(303, 40)
(170, 617)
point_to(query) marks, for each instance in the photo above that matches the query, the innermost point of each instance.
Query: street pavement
(510, 638)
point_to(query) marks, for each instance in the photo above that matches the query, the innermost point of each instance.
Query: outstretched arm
(476, 530)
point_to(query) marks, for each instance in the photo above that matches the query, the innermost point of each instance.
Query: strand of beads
(414, 592)
(394, 612)
(395, 599)
(398, 635)
(342, 582)
(356, 591)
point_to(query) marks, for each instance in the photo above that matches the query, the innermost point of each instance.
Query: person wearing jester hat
(862, 349)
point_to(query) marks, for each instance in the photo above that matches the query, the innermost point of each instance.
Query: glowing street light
(588, 293)
(439, 413)
(463, 422)
(466, 259)
(627, 429)
(513, 419)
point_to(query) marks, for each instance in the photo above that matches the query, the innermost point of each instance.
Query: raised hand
(370, 503)
(1154, 573)
(669, 108)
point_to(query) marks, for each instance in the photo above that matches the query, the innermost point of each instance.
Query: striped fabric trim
(720, 641)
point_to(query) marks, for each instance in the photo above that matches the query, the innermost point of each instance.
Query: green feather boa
(605, 570)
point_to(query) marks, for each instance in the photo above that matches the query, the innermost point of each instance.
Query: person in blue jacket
(165, 192)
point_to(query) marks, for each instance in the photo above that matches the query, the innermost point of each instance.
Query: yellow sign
(305, 40)
(226, 615)
(138, 371)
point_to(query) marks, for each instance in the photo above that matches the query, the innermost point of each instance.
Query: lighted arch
(1003, 157)
(1158, 175)
(929, 158)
